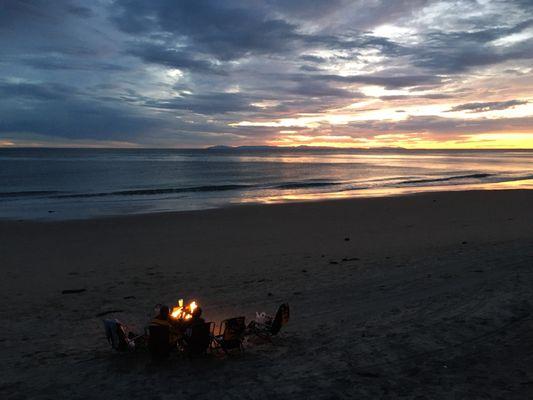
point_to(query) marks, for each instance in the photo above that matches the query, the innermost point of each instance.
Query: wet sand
(421, 296)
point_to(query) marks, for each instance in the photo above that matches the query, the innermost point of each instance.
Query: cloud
(313, 59)
(57, 62)
(318, 88)
(440, 127)
(431, 96)
(311, 9)
(108, 70)
(459, 51)
(60, 110)
(346, 14)
(223, 29)
(33, 91)
(232, 30)
(36, 11)
(389, 82)
(488, 106)
(207, 103)
(171, 57)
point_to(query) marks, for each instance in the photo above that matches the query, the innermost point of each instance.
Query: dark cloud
(38, 11)
(389, 82)
(80, 11)
(347, 14)
(439, 126)
(316, 88)
(55, 62)
(455, 52)
(232, 30)
(431, 96)
(43, 27)
(222, 29)
(314, 59)
(309, 68)
(488, 106)
(207, 103)
(32, 91)
(310, 9)
(374, 13)
(171, 57)
(60, 110)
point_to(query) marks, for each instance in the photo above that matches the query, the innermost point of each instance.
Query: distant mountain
(220, 147)
(299, 148)
(223, 147)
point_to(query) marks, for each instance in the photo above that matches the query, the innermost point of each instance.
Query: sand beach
(425, 296)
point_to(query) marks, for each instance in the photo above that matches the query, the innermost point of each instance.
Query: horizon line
(250, 147)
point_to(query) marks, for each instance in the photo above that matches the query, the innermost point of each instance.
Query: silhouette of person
(197, 317)
(163, 319)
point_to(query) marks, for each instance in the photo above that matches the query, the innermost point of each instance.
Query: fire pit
(183, 312)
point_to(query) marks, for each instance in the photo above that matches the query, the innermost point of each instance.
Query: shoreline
(408, 192)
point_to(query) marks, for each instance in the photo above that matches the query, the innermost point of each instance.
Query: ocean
(84, 183)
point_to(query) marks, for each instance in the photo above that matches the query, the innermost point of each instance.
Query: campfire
(186, 331)
(183, 312)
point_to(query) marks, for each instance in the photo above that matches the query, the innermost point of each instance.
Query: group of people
(177, 327)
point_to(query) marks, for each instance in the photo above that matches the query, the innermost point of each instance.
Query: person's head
(163, 312)
(197, 313)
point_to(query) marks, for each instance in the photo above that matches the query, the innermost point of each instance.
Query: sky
(197, 73)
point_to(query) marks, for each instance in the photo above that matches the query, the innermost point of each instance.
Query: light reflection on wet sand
(295, 196)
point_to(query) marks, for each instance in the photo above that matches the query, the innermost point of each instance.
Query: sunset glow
(478, 141)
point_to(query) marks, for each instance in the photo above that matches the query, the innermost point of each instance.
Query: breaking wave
(444, 179)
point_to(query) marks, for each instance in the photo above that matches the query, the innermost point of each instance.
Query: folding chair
(266, 331)
(231, 334)
(197, 339)
(118, 335)
(159, 341)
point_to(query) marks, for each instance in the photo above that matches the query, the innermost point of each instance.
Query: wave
(306, 184)
(28, 193)
(207, 188)
(303, 185)
(448, 178)
(147, 192)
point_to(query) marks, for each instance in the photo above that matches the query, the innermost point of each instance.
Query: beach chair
(118, 336)
(159, 341)
(230, 335)
(266, 331)
(197, 339)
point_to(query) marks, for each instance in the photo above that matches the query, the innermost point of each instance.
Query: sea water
(82, 183)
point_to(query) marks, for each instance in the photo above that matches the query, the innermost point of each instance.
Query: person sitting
(197, 317)
(196, 334)
(163, 319)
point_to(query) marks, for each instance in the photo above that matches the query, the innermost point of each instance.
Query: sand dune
(426, 296)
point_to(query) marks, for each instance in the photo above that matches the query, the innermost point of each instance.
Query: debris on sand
(72, 291)
(350, 259)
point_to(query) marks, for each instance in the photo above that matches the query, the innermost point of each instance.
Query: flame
(183, 312)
